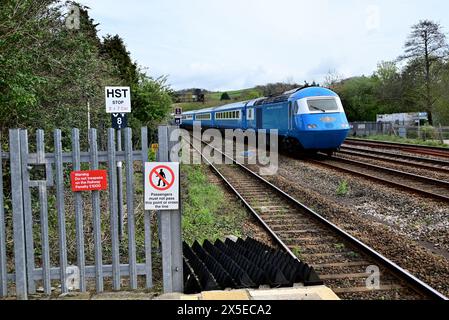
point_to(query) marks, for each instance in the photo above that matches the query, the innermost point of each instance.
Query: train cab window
(322, 105)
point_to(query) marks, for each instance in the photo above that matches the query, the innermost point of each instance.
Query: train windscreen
(323, 105)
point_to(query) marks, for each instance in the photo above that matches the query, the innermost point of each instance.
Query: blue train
(308, 119)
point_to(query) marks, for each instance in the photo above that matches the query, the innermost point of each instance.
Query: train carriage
(310, 119)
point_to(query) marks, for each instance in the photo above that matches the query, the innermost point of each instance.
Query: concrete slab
(75, 296)
(124, 296)
(226, 295)
(178, 296)
(299, 293)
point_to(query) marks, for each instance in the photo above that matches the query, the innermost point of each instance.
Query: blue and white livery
(310, 119)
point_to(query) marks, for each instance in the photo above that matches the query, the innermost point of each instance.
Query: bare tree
(426, 44)
(332, 78)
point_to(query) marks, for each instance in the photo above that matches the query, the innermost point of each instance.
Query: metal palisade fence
(51, 236)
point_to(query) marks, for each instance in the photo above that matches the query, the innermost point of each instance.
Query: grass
(297, 252)
(206, 212)
(388, 138)
(343, 189)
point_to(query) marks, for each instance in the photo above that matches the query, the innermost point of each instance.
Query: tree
(114, 48)
(332, 78)
(389, 89)
(359, 98)
(225, 96)
(49, 71)
(151, 101)
(425, 46)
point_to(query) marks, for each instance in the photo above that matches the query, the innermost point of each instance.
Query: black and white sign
(178, 121)
(118, 99)
(119, 120)
(161, 186)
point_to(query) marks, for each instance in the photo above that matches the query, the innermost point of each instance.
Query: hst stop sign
(118, 99)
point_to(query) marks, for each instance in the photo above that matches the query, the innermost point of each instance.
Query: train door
(259, 118)
(291, 116)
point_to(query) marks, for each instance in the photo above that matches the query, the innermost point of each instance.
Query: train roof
(312, 92)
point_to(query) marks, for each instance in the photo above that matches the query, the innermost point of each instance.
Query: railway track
(401, 159)
(341, 260)
(434, 188)
(424, 150)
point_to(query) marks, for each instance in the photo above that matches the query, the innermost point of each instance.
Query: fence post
(3, 269)
(148, 262)
(27, 210)
(171, 236)
(60, 208)
(18, 218)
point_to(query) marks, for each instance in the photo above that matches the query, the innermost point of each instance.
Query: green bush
(343, 188)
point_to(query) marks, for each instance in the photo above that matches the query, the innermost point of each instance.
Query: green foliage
(114, 48)
(225, 96)
(297, 252)
(343, 188)
(151, 101)
(49, 72)
(388, 138)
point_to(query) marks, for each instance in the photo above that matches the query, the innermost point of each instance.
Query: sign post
(162, 189)
(178, 116)
(118, 104)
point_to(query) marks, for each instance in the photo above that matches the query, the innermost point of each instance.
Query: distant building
(404, 119)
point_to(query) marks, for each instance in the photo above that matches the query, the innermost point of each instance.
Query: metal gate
(50, 236)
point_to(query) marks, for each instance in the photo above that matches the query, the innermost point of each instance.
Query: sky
(234, 44)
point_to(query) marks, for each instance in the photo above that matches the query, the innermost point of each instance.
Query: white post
(88, 114)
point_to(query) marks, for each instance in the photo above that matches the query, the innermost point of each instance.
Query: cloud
(230, 44)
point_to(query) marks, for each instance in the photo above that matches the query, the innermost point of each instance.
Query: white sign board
(161, 186)
(118, 99)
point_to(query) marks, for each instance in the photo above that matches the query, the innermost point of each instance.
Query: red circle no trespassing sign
(158, 176)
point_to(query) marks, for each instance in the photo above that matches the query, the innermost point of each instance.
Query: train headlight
(312, 126)
(345, 126)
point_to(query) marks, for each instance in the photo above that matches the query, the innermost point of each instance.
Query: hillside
(212, 99)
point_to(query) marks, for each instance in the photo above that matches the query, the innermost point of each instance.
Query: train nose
(323, 140)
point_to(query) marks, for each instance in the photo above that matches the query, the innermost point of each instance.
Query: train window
(322, 105)
(250, 115)
(205, 116)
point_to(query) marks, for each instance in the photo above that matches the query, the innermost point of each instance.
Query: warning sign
(93, 180)
(161, 186)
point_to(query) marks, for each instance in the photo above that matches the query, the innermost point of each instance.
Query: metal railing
(38, 245)
(366, 129)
